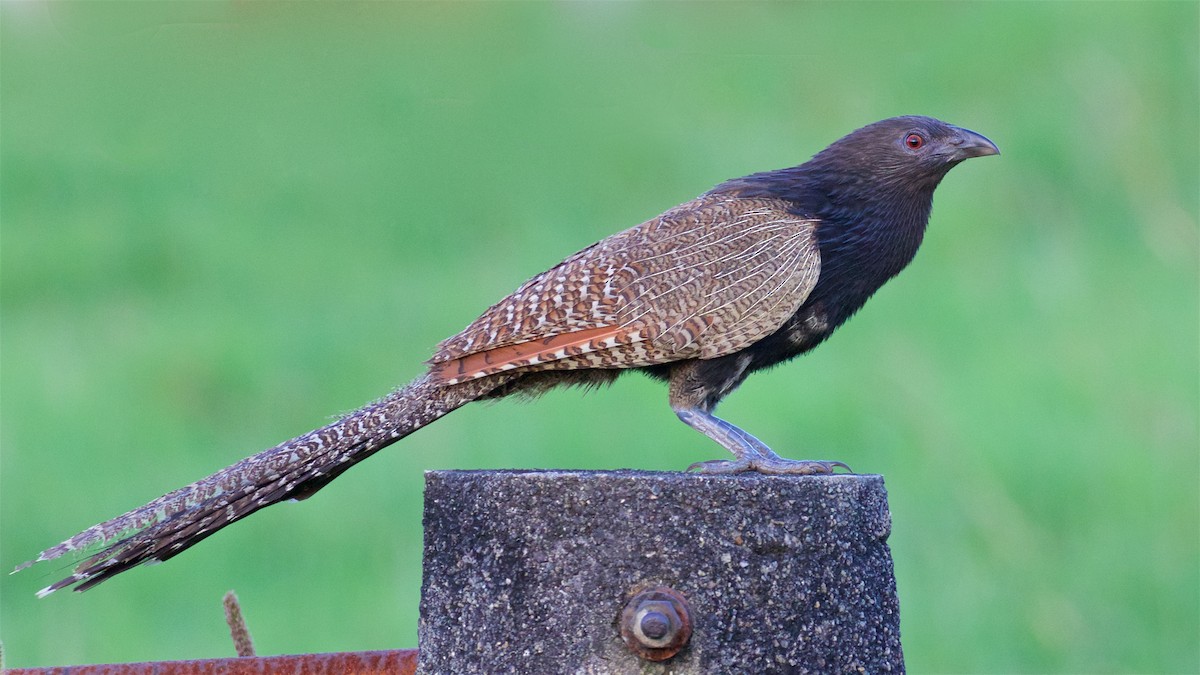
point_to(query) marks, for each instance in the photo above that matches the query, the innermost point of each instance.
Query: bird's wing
(705, 279)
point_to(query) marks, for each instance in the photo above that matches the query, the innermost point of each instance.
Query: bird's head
(911, 150)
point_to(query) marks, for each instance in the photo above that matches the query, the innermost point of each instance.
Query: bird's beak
(967, 144)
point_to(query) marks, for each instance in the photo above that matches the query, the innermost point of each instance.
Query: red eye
(914, 141)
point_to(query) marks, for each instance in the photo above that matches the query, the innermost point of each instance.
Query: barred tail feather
(295, 469)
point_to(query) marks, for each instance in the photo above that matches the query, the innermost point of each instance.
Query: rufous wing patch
(533, 352)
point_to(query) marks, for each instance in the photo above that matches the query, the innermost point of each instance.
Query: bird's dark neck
(869, 229)
(863, 247)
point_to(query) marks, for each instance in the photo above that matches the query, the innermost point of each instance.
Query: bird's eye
(914, 141)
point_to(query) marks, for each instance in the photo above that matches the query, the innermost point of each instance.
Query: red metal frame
(392, 662)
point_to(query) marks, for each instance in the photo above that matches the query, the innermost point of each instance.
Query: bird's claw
(773, 465)
(778, 466)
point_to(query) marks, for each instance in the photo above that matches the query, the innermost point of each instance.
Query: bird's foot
(751, 454)
(772, 464)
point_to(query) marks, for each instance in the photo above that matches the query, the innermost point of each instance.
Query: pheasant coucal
(751, 273)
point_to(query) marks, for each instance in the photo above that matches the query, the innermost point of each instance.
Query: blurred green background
(225, 222)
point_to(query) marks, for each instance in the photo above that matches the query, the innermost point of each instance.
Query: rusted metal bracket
(392, 662)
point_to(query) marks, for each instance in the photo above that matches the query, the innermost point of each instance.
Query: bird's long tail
(295, 469)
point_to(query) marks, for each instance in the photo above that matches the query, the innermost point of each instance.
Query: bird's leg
(751, 454)
(695, 388)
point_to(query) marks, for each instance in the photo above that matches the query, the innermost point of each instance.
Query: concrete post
(573, 572)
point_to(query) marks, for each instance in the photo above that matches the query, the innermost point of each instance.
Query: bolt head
(656, 623)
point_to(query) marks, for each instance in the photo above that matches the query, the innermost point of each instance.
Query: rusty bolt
(656, 623)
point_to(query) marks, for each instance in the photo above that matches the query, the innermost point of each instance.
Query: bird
(751, 273)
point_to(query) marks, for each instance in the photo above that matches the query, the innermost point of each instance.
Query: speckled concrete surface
(527, 571)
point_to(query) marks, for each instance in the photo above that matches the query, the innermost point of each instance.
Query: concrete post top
(626, 474)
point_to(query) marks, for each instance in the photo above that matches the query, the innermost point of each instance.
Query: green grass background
(224, 222)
